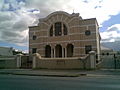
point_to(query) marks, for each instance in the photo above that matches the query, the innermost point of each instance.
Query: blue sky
(115, 19)
(17, 15)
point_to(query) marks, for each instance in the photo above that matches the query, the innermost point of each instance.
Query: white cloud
(112, 34)
(102, 12)
(101, 9)
(15, 23)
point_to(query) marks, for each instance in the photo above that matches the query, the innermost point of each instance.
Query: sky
(17, 15)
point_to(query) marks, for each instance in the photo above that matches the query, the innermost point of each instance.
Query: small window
(34, 37)
(87, 32)
(88, 48)
(34, 50)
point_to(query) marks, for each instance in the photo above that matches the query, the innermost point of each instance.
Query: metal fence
(110, 61)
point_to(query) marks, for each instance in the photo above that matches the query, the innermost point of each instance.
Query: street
(17, 82)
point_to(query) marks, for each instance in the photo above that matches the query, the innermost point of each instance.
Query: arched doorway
(47, 51)
(70, 50)
(58, 51)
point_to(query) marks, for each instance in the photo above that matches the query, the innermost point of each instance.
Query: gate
(25, 62)
(110, 61)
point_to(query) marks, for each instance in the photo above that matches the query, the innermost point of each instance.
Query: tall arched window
(64, 29)
(51, 31)
(58, 29)
(70, 50)
(58, 50)
(47, 51)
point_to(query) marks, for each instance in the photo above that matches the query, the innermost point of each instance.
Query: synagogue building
(62, 35)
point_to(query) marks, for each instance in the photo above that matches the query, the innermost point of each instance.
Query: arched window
(59, 29)
(51, 31)
(65, 29)
(70, 50)
(58, 50)
(47, 51)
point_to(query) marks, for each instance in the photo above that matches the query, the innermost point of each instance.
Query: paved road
(16, 82)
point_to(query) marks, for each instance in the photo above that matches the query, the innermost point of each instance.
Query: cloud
(17, 15)
(112, 34)
(14, 22)
(101, 9)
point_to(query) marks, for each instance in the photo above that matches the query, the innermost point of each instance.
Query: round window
(87, 32)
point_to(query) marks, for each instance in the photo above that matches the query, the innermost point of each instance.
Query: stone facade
(87, 62)
(64, 35)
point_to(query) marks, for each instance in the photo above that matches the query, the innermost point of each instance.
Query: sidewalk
(60, 73)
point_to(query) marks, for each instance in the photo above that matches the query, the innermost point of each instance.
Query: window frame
(88, 48)
(87, 32)
(34, 50)
(34, 37)
(58, 29)
(51, 31)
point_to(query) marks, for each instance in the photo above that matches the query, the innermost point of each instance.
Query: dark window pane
(58, 27)
(47, 51)
(70, 48)
(65, 29)
(34, 50)
(51, 31)
(34, 37)
(88, 48)
(87, 32)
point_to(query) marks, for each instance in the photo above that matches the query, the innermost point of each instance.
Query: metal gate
(110, 61)
(25, 62)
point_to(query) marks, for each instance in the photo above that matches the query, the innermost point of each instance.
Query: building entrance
(58, 50)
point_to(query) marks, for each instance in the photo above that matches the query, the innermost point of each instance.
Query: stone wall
(8, 62)
(87, 62)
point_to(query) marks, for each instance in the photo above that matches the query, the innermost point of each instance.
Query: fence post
(19, 60)
(92, 60)
(34, 61)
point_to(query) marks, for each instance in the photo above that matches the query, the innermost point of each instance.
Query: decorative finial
(73, 10)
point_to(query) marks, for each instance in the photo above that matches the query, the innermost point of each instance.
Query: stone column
(54, 53)
(34, 61)
(92, 60)
(63, 52)
(18, 61)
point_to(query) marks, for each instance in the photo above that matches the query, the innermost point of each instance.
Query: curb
(48, 75)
